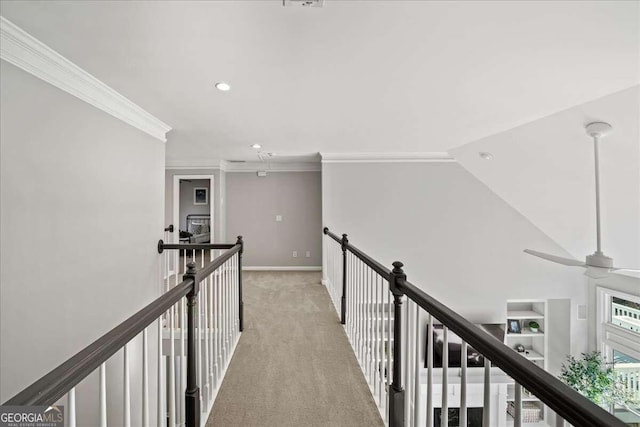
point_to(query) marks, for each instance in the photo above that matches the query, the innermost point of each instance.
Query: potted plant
(534, 326)
(595, 379)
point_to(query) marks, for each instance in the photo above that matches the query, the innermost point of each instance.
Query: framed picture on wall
(200, 196)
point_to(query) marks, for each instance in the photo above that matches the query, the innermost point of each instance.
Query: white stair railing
(195, 314)
(390, 322)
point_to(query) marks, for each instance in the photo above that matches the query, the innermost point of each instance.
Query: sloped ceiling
(545, 170)
(353, 76)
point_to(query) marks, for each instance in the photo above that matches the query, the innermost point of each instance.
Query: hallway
(293, 365)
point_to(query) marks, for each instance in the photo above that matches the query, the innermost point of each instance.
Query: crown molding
(227, 166)
(31, 55)
(386, 157)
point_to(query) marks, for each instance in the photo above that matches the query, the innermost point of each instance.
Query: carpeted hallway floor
(293, 365)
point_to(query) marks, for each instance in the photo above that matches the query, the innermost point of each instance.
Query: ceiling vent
(303, 3)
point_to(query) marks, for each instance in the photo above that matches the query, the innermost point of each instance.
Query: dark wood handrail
(54, 385)
(216, 263)
(372, 263)
(162, 246)
(568, 403)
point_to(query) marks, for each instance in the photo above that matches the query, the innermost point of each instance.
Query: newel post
(192, 393)
(396, 392)
(240, 242)
(343, 307)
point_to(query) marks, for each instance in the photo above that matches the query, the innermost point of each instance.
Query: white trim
(227, 166)
(176, 204)
(28, 53)
(386, 157)
(290, 268)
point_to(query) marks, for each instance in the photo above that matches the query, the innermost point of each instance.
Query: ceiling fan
(597, 264)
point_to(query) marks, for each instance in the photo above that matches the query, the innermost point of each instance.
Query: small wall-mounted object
(582, 312)
(200, 196)
(303, 3)
(278, 218)
(262, 174)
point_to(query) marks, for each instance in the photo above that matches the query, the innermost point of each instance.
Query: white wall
(459, 241)
(81, 212)
(545, 170)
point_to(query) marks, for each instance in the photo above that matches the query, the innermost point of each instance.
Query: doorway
(193, 213)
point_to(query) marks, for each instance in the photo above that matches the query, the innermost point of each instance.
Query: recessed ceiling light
(256, 146)
(223, 86)
(486, 156)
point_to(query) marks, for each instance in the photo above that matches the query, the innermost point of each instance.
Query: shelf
(526, 332)
(533, 355)
(524, 314)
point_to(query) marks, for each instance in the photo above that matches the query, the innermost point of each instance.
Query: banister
(564, 400)
(62, 380)
(192, 246)
(54, 385)
(216, 263)
(372, 263)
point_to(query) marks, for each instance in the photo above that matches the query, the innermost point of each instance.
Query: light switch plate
(278, 218)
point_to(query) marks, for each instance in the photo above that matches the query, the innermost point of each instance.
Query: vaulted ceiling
(516, 78)
(353, 76)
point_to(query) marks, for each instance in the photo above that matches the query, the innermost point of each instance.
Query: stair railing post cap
(191, 268)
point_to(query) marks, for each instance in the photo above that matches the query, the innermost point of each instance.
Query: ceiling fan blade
(556, 259)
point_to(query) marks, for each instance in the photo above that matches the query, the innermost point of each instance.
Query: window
(619, 341)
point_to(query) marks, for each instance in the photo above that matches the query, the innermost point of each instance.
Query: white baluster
(161, 384)
(127, 390)
(182, 309)
(463, 384)
(417, 350)
(205, 310)
(145, 379)
(486, 415)
(381, 364)
(517, 402)
(407, 352)
(367, 325)
(71, 404)
(444, 413)
(172, 369)
(430, 371)
(103, 395)
(199, 337)
(559, 421)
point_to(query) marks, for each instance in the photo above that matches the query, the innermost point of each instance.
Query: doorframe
(176, 204)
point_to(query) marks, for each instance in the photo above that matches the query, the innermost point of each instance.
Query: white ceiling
(545, 170)
(353, 76)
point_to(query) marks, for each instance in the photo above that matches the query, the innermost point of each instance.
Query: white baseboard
(289, 268)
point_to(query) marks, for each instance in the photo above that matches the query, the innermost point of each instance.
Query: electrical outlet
(278, 218)
(308, 254)
(295, 254)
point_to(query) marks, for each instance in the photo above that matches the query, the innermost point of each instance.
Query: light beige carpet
(293, 365)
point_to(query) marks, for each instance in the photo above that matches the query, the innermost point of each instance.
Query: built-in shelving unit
(535, 345)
